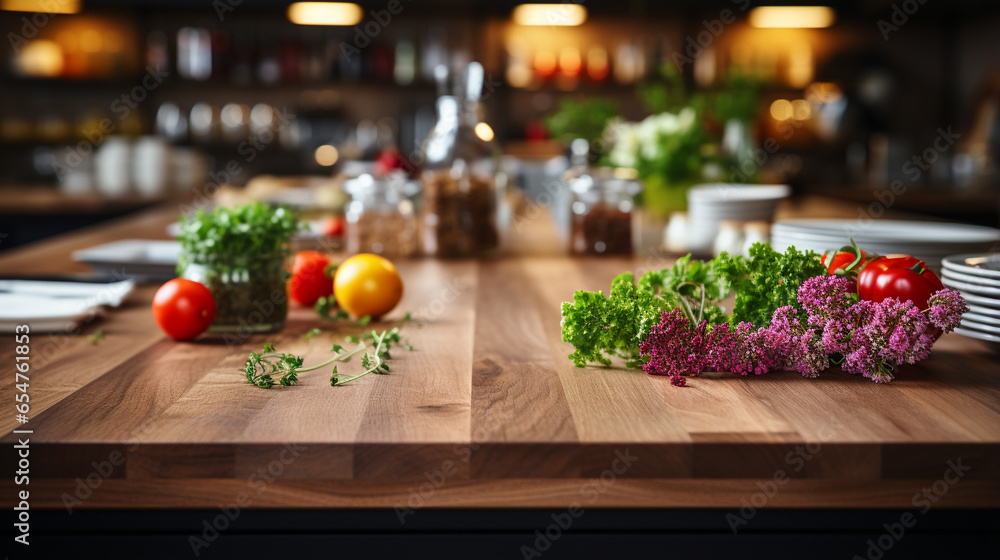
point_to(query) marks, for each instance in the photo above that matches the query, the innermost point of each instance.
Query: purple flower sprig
(864, 337)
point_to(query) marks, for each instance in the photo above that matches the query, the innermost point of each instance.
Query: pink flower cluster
(865, 337)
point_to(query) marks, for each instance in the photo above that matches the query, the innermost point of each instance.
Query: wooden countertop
(49, 200)
(485, 412)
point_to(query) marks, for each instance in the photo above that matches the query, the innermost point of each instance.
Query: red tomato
(309, 280)
(183, 308)
(843, 259)
(334, 226)
(389, 160)
(899, 276)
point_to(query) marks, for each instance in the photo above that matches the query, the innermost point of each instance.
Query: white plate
(970, 279)
(898, 231)
(984, 264)
(882, 248)
(43, 314)
(992, 303)
(142, 258)
(984, 319)
(981, 327)
(976, 334)
(100, 294)
(982, 310)
(972, 288)
(845, 239)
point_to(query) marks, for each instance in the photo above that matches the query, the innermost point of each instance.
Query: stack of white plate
(977, 277)
(928, 241)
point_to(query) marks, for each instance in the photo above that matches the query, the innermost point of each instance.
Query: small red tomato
(389, 160)
(310, 280)
(183, 309)
(334, 226)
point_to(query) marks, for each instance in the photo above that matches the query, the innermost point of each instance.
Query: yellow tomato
(367, 284)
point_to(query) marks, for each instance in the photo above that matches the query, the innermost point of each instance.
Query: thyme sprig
(375, 362)
(260, 368)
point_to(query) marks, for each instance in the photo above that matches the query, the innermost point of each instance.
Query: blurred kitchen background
(110, 106)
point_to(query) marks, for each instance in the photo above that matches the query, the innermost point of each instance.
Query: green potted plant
(240, 255)
(688, 137)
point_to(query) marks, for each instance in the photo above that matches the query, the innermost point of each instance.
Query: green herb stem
(374, 364)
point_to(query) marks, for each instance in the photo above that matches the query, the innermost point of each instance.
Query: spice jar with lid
(380, 216)
(601, 204)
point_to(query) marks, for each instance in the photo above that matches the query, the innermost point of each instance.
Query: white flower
(685, 119)
(667, 123)
(624, 152)
(643, 139)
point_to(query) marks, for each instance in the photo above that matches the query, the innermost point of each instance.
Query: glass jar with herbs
(240, 255)
(601, 204)
(380, 216)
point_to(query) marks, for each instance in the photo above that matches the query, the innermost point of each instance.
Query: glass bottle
(380, 216)
(601, 204)
(461, 200)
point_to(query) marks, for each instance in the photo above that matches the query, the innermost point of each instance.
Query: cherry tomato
(334, 226)
(899, 276)
(309, 280)
(389, 160)
(183, 309)
(367, 284)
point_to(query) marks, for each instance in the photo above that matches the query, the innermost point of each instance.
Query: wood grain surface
(486, 411)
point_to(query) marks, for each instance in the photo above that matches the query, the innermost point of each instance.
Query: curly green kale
(767, 280)
(601, 328)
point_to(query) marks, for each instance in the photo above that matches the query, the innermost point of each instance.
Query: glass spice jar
(380, 216)
(460, 212)
(601, 204)
(249, 290)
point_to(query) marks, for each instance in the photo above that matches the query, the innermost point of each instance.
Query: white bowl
(729, 192)
(710, 204)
